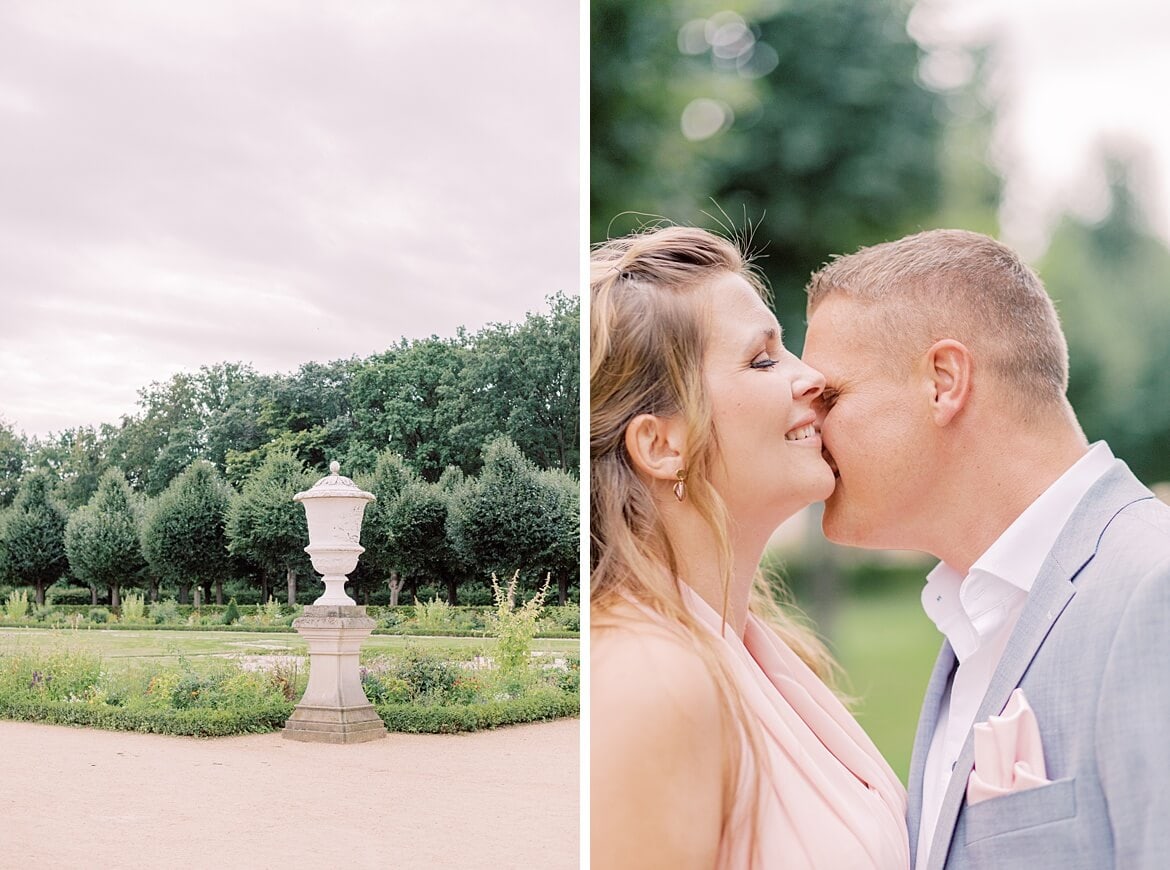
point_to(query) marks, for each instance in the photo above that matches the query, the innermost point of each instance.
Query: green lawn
(164, 644)
(887, 646)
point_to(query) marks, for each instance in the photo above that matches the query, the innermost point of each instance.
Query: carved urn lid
(334, 486)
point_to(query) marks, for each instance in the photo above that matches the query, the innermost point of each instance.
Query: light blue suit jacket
(1091, 651)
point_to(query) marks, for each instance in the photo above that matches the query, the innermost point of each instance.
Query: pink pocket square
(1008, 754)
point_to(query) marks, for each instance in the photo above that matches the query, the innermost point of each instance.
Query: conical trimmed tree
(184, 537)
(102, 538)
(265, 526)
(34, 535)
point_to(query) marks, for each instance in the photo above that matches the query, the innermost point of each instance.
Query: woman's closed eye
(763, 361)
(827, 398)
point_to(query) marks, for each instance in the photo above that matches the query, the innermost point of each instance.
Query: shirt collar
(1017, 554)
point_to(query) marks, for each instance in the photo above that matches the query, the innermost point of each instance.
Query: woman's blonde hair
(648, 336)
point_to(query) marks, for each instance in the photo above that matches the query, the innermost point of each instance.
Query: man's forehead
(838, 340)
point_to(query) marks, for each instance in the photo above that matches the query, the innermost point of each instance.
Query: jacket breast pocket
(1021, 810)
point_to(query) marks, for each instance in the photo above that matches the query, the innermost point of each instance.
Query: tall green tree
(523, 380)
(513, 516)
(34, 535)
(202, 415)
(102, 539)
(1109, 282)
(266, 527)
(13, 457)
(383, 557)
(417, 526)
(154, 447)
(184, 537)
(406, 400)
(232, 397)
(76, 458)
(305, 414)
(563, 550)
(803, 121)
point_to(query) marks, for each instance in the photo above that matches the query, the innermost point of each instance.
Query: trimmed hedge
(398, 631)
(206, 722)
(192, 722)
(415, 631)
(148, 626)
(452, 718)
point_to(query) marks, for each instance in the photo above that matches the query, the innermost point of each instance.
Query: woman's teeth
(803, 432)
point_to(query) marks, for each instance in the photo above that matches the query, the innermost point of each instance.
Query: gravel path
(73, 797)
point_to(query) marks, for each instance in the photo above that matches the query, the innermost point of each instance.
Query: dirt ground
(72, 797)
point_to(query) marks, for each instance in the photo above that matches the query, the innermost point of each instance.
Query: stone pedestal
(334, 708)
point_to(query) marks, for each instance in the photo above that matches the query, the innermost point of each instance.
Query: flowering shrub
(513, 626)
(427, 674)
(165, 611)
(384, 688)
(433, 614)
(74, 688)
(16, 608)
(133, 608)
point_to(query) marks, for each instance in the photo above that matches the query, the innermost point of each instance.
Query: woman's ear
(654, 445)
(949, 369)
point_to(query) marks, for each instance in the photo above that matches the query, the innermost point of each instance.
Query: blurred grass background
(867, 607)
(887, 647)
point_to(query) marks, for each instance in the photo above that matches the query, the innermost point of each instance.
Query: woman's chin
(827, 485)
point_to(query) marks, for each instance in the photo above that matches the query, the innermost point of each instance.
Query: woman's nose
(808, 383)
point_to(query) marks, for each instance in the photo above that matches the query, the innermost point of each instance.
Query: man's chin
(834, 525)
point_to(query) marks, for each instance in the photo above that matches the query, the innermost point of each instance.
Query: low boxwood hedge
(192, 722)
(206, 722)
(398, 631)
(452, 718)
(148, 626)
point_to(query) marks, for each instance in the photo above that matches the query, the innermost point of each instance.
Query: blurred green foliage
(828, 142)
(1111, 284)
(887, 647)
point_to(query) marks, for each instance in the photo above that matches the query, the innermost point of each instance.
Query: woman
(714, 741)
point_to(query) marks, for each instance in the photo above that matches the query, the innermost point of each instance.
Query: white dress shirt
(978, 612)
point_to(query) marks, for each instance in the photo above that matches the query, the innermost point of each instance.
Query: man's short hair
(961, 285)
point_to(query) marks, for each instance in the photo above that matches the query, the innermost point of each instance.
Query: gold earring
(680, 488)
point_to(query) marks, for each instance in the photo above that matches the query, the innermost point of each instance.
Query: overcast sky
(1069, 76)
(271, 181)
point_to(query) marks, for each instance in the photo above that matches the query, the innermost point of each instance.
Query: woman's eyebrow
(768, 333)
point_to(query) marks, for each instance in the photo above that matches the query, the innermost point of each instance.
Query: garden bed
(405, 630)
(424, 619)
(420, 690)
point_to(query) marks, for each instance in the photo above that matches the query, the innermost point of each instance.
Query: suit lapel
(1050, 594)
(936, 688)
(1046, 601)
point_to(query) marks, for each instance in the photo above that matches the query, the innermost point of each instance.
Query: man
(946, 422)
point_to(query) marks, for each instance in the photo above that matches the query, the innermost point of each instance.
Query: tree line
(469, 444)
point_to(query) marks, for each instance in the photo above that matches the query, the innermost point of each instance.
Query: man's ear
(949, 369)
(655, 446)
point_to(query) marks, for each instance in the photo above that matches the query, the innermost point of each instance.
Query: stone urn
(334, 509)
(334, 708)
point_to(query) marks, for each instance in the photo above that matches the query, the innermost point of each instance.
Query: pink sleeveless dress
(827, 798)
